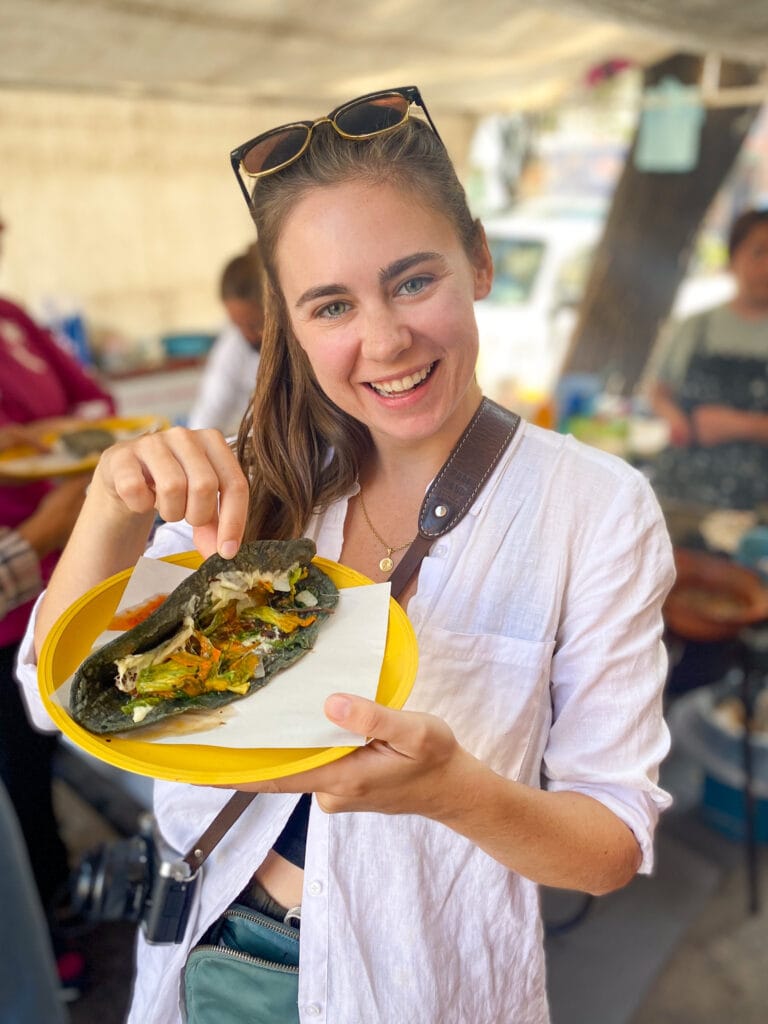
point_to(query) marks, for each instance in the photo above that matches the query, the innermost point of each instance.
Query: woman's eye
(334, 309)
(414, 285)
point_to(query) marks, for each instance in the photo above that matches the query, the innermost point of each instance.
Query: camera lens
(112, 881)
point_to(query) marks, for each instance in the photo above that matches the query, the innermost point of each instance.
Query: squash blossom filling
(221, 647)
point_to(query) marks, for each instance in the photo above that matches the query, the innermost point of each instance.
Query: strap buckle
(293, 917)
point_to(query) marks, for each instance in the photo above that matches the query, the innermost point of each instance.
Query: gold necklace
(386, 564)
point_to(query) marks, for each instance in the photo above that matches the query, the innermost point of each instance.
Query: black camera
(138, 879)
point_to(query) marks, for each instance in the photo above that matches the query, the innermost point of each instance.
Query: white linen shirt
(227, 383)
(539, 630)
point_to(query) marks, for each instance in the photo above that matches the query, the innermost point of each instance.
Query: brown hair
(299, 450)
(243, 277)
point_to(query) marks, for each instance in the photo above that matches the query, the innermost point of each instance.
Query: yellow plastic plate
(70, 640)
(23, 462)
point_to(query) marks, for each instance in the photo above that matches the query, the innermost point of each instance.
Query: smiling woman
(366, 388)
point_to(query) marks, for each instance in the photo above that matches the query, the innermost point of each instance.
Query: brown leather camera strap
(450, 495)
(218, 828)
(448, 499)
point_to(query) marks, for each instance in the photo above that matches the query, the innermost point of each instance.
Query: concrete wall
(126, 206)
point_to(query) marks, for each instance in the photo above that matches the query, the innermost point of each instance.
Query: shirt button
(313, 1010)
(439, 550)
(315, 888)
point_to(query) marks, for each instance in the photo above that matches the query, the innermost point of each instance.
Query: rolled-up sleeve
(26, 673)
(608, 734)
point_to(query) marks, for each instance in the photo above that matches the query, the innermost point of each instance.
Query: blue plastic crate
(722, 807)
(186, 346)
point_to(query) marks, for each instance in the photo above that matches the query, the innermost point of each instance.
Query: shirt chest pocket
(494, 693)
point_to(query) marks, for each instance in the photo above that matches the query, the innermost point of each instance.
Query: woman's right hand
(180, 474)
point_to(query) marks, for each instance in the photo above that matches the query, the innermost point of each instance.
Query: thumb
(367, 718)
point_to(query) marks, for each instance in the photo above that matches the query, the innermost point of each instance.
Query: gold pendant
(386, 564)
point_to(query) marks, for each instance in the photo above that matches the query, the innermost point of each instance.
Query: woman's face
(750, 267)
(380, 293)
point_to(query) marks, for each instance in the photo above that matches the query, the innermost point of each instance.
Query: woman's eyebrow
(321, 291)
(400, 266)
(386, 274)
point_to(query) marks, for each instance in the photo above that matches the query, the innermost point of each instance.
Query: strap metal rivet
(198, 854)
(441, 511)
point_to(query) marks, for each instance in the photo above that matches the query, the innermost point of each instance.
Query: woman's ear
(483, 265)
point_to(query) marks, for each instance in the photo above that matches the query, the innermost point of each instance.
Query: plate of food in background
(74, 450)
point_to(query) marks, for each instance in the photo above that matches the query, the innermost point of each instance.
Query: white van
(541, 263)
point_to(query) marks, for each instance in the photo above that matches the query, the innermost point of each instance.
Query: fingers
(182, 474)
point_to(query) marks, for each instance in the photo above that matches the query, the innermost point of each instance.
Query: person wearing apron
(712, 388)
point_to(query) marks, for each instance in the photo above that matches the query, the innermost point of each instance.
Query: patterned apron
(732, 475)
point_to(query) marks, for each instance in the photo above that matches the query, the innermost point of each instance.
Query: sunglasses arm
(235, 161)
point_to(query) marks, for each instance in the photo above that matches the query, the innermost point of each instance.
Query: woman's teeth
(397, 387)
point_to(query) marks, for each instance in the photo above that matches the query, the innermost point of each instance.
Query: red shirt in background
(38, 380)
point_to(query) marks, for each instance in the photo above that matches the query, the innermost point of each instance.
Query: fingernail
(228, 549)
(338, 707)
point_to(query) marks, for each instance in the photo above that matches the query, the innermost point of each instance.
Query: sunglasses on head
(373, 114)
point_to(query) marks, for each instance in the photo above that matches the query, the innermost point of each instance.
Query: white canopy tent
(470, 58)
(116, 116)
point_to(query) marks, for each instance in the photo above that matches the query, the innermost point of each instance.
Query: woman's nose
(384, 336)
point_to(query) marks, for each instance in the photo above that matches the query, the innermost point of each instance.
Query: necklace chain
(386, 564)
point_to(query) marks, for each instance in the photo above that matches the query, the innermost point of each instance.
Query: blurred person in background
(26, 754)
(229, 376)
(43, 389)
(23, 548)
(28, 979)
(709, 380)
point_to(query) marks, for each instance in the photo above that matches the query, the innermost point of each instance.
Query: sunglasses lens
(275, 150)
(371, 116)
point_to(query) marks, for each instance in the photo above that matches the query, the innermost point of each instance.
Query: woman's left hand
(410, 766)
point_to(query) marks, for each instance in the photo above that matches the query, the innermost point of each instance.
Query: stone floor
(719, 972)
(678, 948)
